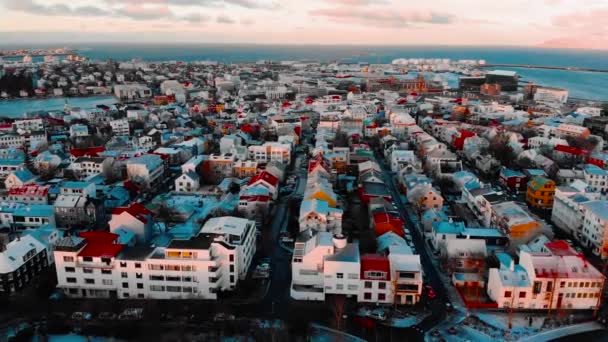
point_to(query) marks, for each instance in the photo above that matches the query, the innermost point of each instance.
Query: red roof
(265, 177)
(88, 151)
(309, 100)
(571, 150)
(561, 248)
(100, 244)
(30, 190)
(375, 263)
(136, 210)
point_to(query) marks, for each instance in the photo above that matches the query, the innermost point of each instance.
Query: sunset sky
(553, 23)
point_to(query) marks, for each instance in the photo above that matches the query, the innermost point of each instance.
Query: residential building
(21, 261)
(540, 193)
(146, 169)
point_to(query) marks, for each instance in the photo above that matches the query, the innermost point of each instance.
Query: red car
(430, 293)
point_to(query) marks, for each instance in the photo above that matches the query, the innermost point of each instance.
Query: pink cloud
(359, 16)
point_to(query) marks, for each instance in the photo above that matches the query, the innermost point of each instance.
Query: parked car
(79, 316)
(107, 316)
(378, 314)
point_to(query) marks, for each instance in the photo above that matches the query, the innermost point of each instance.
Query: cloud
(223, 19)
(247, 21)
(31, 7)
(251, 4)
(397, 19)
(580, 30)
(139, 12)
(358, 2)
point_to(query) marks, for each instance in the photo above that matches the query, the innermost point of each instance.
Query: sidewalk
(563, 331)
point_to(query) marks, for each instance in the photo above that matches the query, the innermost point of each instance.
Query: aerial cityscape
(210, 178)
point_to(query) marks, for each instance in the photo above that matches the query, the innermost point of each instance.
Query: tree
(166, 214)
(501, 150)
(525, 163)
(337, 304)
(46, 171)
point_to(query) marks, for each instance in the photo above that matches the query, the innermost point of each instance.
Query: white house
(120, 127)
(187, 182)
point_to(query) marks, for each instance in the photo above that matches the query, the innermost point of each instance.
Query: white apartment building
(131, 91)
(595, 227)
(120, 127)
(270, 151)
(147, 168)
(568, 209)
(596, 178)
(29, 125)
(84, 167)
(96, 265)
(551, 95)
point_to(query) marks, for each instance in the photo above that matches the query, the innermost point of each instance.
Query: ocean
(583, 85)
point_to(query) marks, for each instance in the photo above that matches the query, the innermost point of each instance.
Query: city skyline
(548, 23)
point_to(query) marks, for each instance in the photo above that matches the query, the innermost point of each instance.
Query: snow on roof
(598, 208)
(226, 225)
(350, 253)
(16, 253)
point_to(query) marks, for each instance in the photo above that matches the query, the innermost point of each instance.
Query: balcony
(307, 292)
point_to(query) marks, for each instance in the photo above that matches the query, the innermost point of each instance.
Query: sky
(548, 23)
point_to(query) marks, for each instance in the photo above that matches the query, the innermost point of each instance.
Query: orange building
(540, 193)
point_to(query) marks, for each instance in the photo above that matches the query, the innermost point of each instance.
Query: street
(438, 305)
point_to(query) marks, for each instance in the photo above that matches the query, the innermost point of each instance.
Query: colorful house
(541, 192)
(514, 180)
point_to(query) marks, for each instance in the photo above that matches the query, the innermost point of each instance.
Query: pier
(530, 66)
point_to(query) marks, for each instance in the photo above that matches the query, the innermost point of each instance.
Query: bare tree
(337, 304)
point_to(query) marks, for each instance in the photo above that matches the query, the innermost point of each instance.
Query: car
(430, 293)
(107, 316)
(449, 307)
(78, 315)
(377, 314)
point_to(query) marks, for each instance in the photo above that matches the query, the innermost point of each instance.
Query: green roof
(537, 183)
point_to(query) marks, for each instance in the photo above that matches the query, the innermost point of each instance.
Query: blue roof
(595, 170)
(42, 210)
(24, 175)
(152, 161)
(598, 208)
(75, 184)
(511, 173)
(448, 227)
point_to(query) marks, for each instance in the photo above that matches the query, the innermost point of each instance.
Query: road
(437, 305)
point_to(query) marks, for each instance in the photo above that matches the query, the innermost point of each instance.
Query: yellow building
(540, 193)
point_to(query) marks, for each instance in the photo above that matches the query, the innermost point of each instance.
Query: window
(382, 285)
(340, 287)
(174, 289)
(140, 285)
(522, 295)
(232, 279)
(106, 271)
(549, 286)
(231, 258)
(89, 281)
(87, 259)
(507, 294)
(125, 295)
(157, 288)
(70, 269)
(368, 284)
(123, 274)
(367, 295)
(87, 270)
(68, 258)
(123, 264)
(381, 296)
(138, 275)
(137, 265)
(157, 277)
(339, 275)
(232, 268)
(353, 276)
(352, 287)
(106, 281)
(125, 285)
(174, 278)
(562, 284)
(578, 295)
(71, 280)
